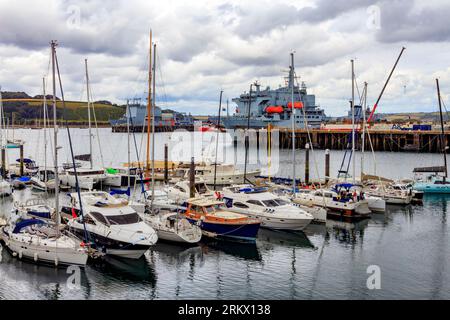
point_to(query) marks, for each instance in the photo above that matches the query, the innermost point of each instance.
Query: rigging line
(163, 86)
(86, 234)
(96, 128)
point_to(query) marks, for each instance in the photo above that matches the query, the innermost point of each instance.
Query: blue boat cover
(23, 179)
(120, 191)
(26, 223)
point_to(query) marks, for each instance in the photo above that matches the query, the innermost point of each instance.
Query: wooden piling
(327, 165)
(21, 160)
(192, 179)
(166, 163)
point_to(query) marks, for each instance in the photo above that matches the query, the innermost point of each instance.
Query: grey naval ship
(274, 107)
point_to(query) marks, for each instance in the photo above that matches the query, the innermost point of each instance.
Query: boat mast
(353, 121)
(153, 125)
(443, 144)
(149, 106)
(55, 138)
(291, 81)
(363, 138)
(89, 111)
(217, 138)
(128, 145)
(45, 134)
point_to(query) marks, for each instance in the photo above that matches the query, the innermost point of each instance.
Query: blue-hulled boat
(218, 223)
(435, 183)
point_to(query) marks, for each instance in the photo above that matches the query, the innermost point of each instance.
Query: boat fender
(20, 254)
(56, 261)
(35, 257)
(14, 254)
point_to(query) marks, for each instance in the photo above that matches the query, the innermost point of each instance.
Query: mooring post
(192, 179)
(21, 159)
(327, 165)
(3, 163)
(166, 163)
(307, 163)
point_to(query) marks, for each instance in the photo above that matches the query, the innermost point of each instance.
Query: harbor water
(410, 245)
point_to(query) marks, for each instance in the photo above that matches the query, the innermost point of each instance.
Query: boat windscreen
(124, 219)
(270, 203)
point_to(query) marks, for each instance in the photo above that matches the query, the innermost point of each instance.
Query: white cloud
(206, 46)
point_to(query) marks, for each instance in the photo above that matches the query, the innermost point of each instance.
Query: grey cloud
(401, 21)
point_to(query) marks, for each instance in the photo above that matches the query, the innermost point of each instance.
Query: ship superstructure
(274, 107)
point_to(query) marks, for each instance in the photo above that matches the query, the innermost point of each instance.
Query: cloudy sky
(206, 46)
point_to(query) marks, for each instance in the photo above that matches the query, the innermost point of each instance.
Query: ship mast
(153, 125)
(149, 107)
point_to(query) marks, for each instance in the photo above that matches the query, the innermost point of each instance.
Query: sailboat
(168, 223)
(38, 240)
(435, 183)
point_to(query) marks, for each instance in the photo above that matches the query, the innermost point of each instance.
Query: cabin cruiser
(392, 193)
(87, 178)
(44, 180)
(39, 241)
(172, 226)
(335, 201)
(285, 192)
(219, 223)
(180, 191)
(30, 168)
(260, 203)
(226, 174)
(114, 226)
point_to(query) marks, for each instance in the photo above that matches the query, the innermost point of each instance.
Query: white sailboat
(169, 225)
(36, 239)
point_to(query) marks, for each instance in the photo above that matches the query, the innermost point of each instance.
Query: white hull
(113, 180)
(129, 254)
(319, 213)
(85, 182)
(376, 204)
(360, 207)
(30, 248)
(5, 188)
(223, 179)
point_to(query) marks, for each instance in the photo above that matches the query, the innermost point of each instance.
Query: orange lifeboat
(297, 105)
(274, 109)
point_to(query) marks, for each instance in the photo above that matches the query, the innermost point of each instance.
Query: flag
(74, 214)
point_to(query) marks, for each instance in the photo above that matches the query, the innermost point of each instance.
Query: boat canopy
(253, 189)
(25, 160)
(120, 191)
(25, 223)
(430, 169)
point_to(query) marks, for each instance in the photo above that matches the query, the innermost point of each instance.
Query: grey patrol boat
(274, 107)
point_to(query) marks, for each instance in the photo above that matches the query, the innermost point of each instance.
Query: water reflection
(129, 270)
(347, 232)
(244, 251)
(283, 238)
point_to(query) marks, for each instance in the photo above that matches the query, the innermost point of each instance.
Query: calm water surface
(409, 244)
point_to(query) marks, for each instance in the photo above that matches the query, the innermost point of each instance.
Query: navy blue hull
(237, 232)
